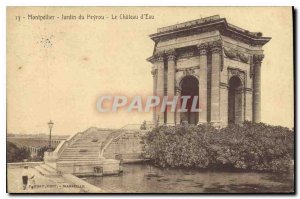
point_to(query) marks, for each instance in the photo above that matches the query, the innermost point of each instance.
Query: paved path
(43, 184)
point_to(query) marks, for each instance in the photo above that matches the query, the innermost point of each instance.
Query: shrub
(249, 146)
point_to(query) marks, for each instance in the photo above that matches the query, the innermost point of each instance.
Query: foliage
(143, 125)
(15, 154)
(40, 154)
(251, 146)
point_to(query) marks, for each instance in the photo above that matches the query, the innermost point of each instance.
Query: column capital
(153, 72)
(216, 46)
(159, 57)
(202, 48)
(257, 58)
(151, 59)
(171, 54)
(178, 90)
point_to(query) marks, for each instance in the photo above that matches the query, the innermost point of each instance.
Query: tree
(16, 154)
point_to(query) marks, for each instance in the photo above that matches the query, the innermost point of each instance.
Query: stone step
(80, 150)
(87, 142)
(51, 164)
(90, 140)
(60, 159)
(85, 145)
(93, 145)
(76, 161)
(76, 148)
(76, 156)
(44, 172)
(82, 158)
(48, 168)
(81, 153)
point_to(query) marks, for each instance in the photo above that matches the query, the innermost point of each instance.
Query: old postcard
(150, 100)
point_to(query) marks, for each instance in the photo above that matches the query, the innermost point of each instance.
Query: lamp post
(50, 124)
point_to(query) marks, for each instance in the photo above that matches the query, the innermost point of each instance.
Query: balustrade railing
(117, 133)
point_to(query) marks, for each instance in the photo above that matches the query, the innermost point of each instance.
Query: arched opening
(189, 87)
(235, 101)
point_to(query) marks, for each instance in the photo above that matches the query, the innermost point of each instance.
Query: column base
(216, 124)
(201, 123)
(160, 124)
(171, 124)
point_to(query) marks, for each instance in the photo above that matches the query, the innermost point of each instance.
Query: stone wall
(109, 166)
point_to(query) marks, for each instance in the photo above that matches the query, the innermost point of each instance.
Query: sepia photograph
(150, 100)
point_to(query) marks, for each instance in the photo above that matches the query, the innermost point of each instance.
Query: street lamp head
(50, 124)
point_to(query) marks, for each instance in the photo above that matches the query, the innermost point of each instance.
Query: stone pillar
(215, 81)
(177, 113)
(248, 104)
(256, 87)
(153, 72)
(202, 83)
(224, 104)
(160, 87)
(171, 86)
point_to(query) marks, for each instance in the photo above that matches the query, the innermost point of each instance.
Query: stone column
(202, 83)
(215, 81)
(248, 104)
(160, 87)
(256, 87)
(171, 85)
(223, 104)
(153, 72)
(178, 94)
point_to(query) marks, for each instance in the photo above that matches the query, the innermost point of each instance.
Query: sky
(57, 69)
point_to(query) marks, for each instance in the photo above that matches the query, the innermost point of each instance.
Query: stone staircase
(86, 147)
(82, 154)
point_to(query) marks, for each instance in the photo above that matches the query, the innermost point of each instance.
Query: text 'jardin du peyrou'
(91, 17)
